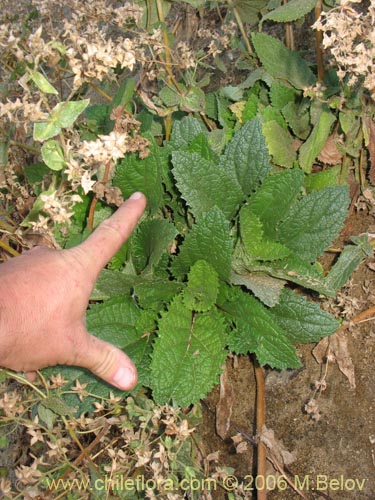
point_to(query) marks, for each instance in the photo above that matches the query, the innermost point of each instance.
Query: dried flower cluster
(135, 439)
(350, 36)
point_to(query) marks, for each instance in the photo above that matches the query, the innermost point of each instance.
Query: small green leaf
(281, 95)
(42, 83)
(193, 101)
(314, 222)
(202, 288)
(281, 62)
(302, 320)
(188, 354)
(323, 179)
(297, 117)
(62, 116)
(210, 236)
(53, 155)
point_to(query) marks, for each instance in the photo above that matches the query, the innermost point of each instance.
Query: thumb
(109, 363)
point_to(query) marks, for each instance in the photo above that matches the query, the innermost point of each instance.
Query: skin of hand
(44, 295)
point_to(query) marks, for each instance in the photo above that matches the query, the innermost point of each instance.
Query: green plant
(206, 271)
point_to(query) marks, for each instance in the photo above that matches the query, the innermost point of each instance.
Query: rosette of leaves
(214, 264)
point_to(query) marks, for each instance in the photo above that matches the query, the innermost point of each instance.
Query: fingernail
(124, 378)
(136, 196)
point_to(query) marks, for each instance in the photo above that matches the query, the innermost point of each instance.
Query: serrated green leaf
(246, 157)
(316, 140)
(291, 11)
(201, 182)
(53, 155)
(280, 144)
(348, 261)
(257, 331)
(281, 62)
(42, 83)
(251, 108)
(272, 200)
(145, 175)
(281, 95)
(314, 222)
(202, 288)
(302, 320)
(46, 416)
(150, 241)
(63, 115)
(188, 354)
(266, 288)
(184, 131)
(255, 244)
(209, 237)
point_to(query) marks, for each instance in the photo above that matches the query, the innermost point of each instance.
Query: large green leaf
(201, 182)
(249, 10)
(272, 200)
(150, 241)
(291, 11)
(282, 63)
(312, 223)
(257, 331)
(145, 175)
(188, 354)
(266, 288)
(302, 321)
(209, 239)
(246, 157)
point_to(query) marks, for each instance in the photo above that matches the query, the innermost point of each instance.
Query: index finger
(109, 236)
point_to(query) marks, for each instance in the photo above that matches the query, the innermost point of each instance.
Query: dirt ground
(334, 456)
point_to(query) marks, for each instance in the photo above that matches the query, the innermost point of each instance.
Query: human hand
(44, 294)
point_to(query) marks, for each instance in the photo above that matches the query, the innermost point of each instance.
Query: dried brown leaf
(370, 126)
(335, 348)
(330, 153)
(275, 448)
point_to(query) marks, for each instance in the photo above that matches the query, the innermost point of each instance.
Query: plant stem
(24, 146)
(319, 40)
(289, 35)
(100, 91)
(260, 422)
(242, 28)
(9, 249)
